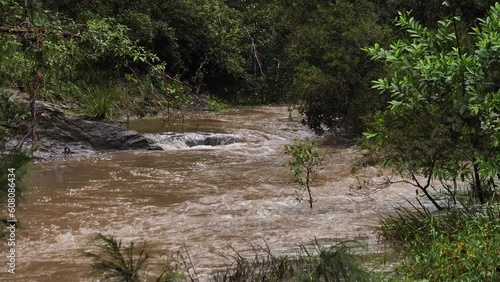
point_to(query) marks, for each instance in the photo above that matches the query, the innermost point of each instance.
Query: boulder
(55, 132)
(58, 133)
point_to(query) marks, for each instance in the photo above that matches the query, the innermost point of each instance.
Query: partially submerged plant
(306, 160)
(111, 261)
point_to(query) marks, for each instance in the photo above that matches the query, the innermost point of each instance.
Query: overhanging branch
(38, 29)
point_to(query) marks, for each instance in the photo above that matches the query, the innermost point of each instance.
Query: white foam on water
(206, 198)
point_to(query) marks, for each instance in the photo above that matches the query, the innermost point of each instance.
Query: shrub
(216, 105)
(305, 162)
(460, 244)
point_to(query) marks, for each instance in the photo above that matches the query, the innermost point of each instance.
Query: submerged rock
(175, 140)
(194, 139)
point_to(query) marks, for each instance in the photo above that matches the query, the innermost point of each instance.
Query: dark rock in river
(80, 136)
(195, 139)
(60, 135)
(176, 140)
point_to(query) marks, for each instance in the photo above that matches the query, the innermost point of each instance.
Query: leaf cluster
(113, 261)
(441, 119)
(460, 244)
(306, 159)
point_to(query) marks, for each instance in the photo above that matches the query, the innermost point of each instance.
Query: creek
(205, 199)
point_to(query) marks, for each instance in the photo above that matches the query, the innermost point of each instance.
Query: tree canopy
(246, 51)
(442, 120)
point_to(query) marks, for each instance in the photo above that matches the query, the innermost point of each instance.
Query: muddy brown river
(205, 199)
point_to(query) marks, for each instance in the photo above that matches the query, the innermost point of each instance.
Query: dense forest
(305, 52)
(418, 78)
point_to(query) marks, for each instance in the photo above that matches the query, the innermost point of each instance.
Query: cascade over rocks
(168, 140)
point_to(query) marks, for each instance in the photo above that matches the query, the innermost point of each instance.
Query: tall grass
(334, 263)
(101, 101)
(114, 261)
(459, 244)
(406, 226)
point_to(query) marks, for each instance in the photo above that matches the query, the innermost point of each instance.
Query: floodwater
(208, 200)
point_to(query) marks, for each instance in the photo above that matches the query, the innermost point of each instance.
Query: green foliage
(461, 244)
(406, 228)
(171, 275)
(331, 78)
(266, 35)
(440, 120)
(200, 41)
(59, 58)
(112, 261)
(177, 98)
(335, 263)
(306, 160)
(216, 105)
(11, 12)
(36, 67)
(13, 118)
(245, 51)
(140, 26)
(108, 38)
(62, 59)
(429, 12)
(101, 101)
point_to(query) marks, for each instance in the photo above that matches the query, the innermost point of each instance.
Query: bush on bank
(460, 244)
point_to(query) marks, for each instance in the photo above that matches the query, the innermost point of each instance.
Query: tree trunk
(309, 189)
(434, 202)
(310, 198)
(478, 189)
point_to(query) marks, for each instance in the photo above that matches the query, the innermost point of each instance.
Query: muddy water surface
(208, 199)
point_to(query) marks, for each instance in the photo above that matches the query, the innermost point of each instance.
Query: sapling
(306, 160)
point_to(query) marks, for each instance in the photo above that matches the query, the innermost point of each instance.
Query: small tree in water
(306, 160)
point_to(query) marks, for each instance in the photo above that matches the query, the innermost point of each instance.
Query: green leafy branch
(306, 158)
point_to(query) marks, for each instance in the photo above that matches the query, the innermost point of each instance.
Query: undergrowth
(216, 104)
(459, 244)
(101, 101)
(111, 260)
(334, 263)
